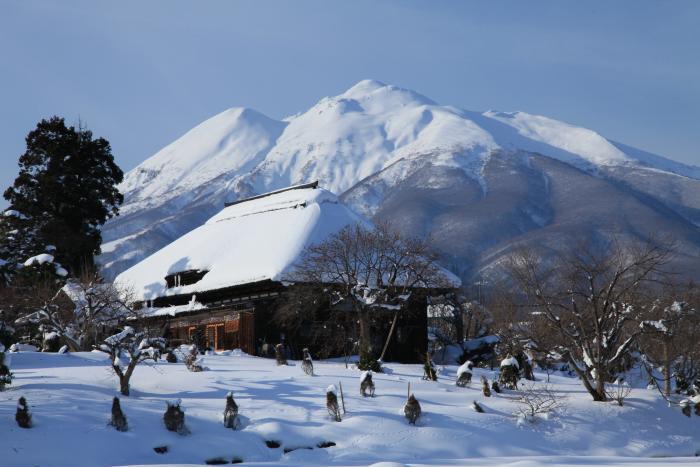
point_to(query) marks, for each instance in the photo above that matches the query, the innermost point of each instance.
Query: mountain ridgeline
(480, 184)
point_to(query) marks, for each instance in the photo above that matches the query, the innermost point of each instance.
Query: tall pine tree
(66, 189)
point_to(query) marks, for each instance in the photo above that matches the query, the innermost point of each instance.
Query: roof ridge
(313, 185)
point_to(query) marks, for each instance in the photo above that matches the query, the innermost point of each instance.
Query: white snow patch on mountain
(339, 141)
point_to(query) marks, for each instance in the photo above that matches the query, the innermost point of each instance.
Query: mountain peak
(365, 86)
(393, 95)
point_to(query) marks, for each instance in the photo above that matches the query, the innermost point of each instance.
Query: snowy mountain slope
(362, 144)
(232, 142)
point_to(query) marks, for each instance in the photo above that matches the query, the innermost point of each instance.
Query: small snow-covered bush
(412, 410)
(538, 400)
(230, 412)
(689, 405)
(367, 363)
(525, 366)
(429, 370)
(332, 403)
(464, 374)
(174, 418)
(686, 407)
(280, 355)
(23, 416)
(192, 360)
(307, 364)
(366, 384)
(485, 387)
(510, 372)
(170, 357)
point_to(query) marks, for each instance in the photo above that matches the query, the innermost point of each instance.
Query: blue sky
(142, 73)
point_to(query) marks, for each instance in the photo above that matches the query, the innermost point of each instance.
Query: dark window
(181, 278)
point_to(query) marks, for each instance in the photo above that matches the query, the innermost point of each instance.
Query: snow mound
(43, 258)
(510, 361)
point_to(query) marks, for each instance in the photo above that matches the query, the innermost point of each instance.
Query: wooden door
(215, 336)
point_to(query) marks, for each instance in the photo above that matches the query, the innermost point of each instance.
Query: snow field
(70, 398)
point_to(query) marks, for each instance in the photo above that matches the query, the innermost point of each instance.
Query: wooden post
(409, 391)
(388, 338)
(342, 398)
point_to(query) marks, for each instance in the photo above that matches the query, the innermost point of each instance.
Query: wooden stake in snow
(342, 399)
(408, 394)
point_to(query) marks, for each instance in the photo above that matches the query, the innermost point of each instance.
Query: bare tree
(370, 270)
(618, 391)
(538, 400)
(80, 311)
(665, 338)
(590, 299)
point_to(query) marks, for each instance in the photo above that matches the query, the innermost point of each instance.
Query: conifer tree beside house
(65, 190)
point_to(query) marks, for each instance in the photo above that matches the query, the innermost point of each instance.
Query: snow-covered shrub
(118, 420)
(485, 387)
(332, 403)
(307, 364)
(689, 405)
(367, 363)
(686, 407)
(192, 360)
(618, 391)
(134, 347)
(366, 384)
(481, 350)
(429, 370)
(77, 314)
(412, 410)
(23, 416)
(525, 365)
(230, 412)
(170, 357)
(686, 372)
(464, 374)
(496, 388)
(174, 418)
(51, 343)
(5, 374)
(280, 356)
(477, 407)
(537, 400)
(510, 373)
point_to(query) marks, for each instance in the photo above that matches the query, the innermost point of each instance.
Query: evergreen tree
(65, 190)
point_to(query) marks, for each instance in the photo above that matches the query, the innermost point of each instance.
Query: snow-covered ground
(70, 397)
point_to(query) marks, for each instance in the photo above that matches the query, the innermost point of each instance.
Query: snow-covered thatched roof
(250, 241)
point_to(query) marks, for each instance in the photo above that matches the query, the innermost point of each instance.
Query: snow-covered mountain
(478, 182)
